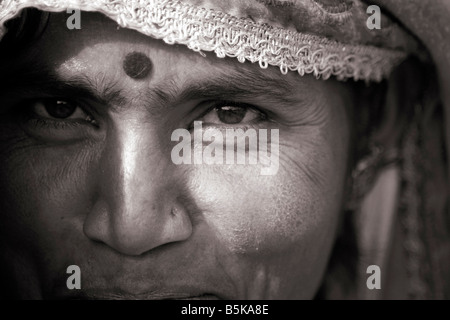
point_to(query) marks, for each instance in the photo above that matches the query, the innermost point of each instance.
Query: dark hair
(23, 31)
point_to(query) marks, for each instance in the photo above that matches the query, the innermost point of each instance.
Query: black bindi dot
(137, 65)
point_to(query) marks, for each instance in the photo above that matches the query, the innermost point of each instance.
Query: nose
(138, 206)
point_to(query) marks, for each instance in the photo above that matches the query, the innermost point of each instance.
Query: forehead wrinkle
(287, 85)
(239, 83)
(240, 86)
(223, 86)
(262, 84)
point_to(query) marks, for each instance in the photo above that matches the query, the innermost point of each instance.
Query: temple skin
(107, 198)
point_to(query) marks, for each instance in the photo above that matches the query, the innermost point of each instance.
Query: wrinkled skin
(105, 195)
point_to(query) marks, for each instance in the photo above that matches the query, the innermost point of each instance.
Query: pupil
(60, 109)
(231, 115)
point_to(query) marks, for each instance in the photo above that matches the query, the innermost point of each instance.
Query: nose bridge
(131, 154)
(140, 210)
(133, 174)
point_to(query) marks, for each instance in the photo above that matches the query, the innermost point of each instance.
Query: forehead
(100, 45)
(95, 55)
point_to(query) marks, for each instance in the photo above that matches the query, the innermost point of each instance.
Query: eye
(54, 109)
(55, 120)
(233, 114)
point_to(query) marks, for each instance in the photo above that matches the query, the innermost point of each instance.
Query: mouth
(111, 295)
(201, 297)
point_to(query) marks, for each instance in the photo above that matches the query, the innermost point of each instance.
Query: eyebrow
(41, 80)
(230, 86)
(235, 85)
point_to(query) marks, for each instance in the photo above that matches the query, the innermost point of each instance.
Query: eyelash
(24, 113)
(55, 125)
(263, 116)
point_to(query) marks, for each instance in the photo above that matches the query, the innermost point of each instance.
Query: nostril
(134, 228)
(174, 211)
(96, 223)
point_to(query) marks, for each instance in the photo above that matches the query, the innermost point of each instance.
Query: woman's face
(87, 176)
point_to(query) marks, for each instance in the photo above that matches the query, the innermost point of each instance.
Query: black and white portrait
(236, 150)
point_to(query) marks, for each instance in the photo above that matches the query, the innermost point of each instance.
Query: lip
(202, 297)
(135, 282)
(140, 297)
(120, 295)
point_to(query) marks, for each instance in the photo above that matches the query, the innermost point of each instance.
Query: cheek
(285, 224)
(44, 197)
(46, 191)
(252, 213)
(268, 227)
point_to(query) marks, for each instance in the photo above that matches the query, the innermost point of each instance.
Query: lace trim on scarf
(228, 36)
